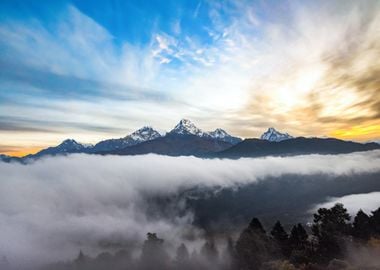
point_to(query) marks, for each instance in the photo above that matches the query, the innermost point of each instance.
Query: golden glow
(307, 80)
(328, 87)
(20, 152)
(359, 132)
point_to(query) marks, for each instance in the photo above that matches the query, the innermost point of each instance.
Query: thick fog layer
(51, 208)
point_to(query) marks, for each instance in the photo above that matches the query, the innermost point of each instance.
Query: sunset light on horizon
(308, 68)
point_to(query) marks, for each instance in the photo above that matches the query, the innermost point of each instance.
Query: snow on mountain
(186, 127)
(219, 133)
(275, 136)
(222, 135)
(141, 135)
(144, 134)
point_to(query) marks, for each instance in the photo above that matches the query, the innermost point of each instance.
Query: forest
(334, 240)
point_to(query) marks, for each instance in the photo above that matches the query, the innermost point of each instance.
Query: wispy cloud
(247, 67)
(321, 74)
(72, 68)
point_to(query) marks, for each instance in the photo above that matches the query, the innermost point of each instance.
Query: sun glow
(359, 132)
(23, 151)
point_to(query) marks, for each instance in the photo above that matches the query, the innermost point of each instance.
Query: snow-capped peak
(275, 136)
(219, 133)
(222, 135)
(144, 134)
(186, 127)
(141, 135)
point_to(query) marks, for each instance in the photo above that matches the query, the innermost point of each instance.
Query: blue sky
(92, 70)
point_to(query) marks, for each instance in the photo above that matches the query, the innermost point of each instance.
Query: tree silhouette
(298, 237)
(298, 243)
(361, 228)
(81, 261)
(254, 249)
(281, 237)
(329, 228)
(153, 253)
(182, 253)
(331, 220)
(253, 246)
(375, 222)
(256, 226)
(182, 259)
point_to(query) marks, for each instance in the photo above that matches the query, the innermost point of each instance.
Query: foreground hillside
(332, 242)
(56, 206)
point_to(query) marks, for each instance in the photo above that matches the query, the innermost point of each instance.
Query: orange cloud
(328, 83)
(22, 151)
(358, 132)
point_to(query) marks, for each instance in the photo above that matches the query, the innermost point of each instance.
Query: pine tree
(80, 261)
(253, 246)
(153, 253)
(256, 226)
(80, 257)
(182, 253)
(330, 228)
(298, 237)
(361, 226)
(375, 222)
(281, 238)
(298, 244)
(182, 257)
(278, 233)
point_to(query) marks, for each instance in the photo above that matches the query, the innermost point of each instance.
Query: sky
(93, 70)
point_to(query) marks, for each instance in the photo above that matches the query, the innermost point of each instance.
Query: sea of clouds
(51, 208)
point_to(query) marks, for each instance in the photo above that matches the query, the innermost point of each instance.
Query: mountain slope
(273, 135)
(66, 147)
(183, 140)
(141, 135)
(186, 127)
(296, 146)
(6, 158)
(222, 135)
(176, 145)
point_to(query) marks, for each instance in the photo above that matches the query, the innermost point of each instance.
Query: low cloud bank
(51, 208)
(366, 201)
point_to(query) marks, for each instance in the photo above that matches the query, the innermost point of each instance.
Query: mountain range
(294, 146)
(186, 139)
